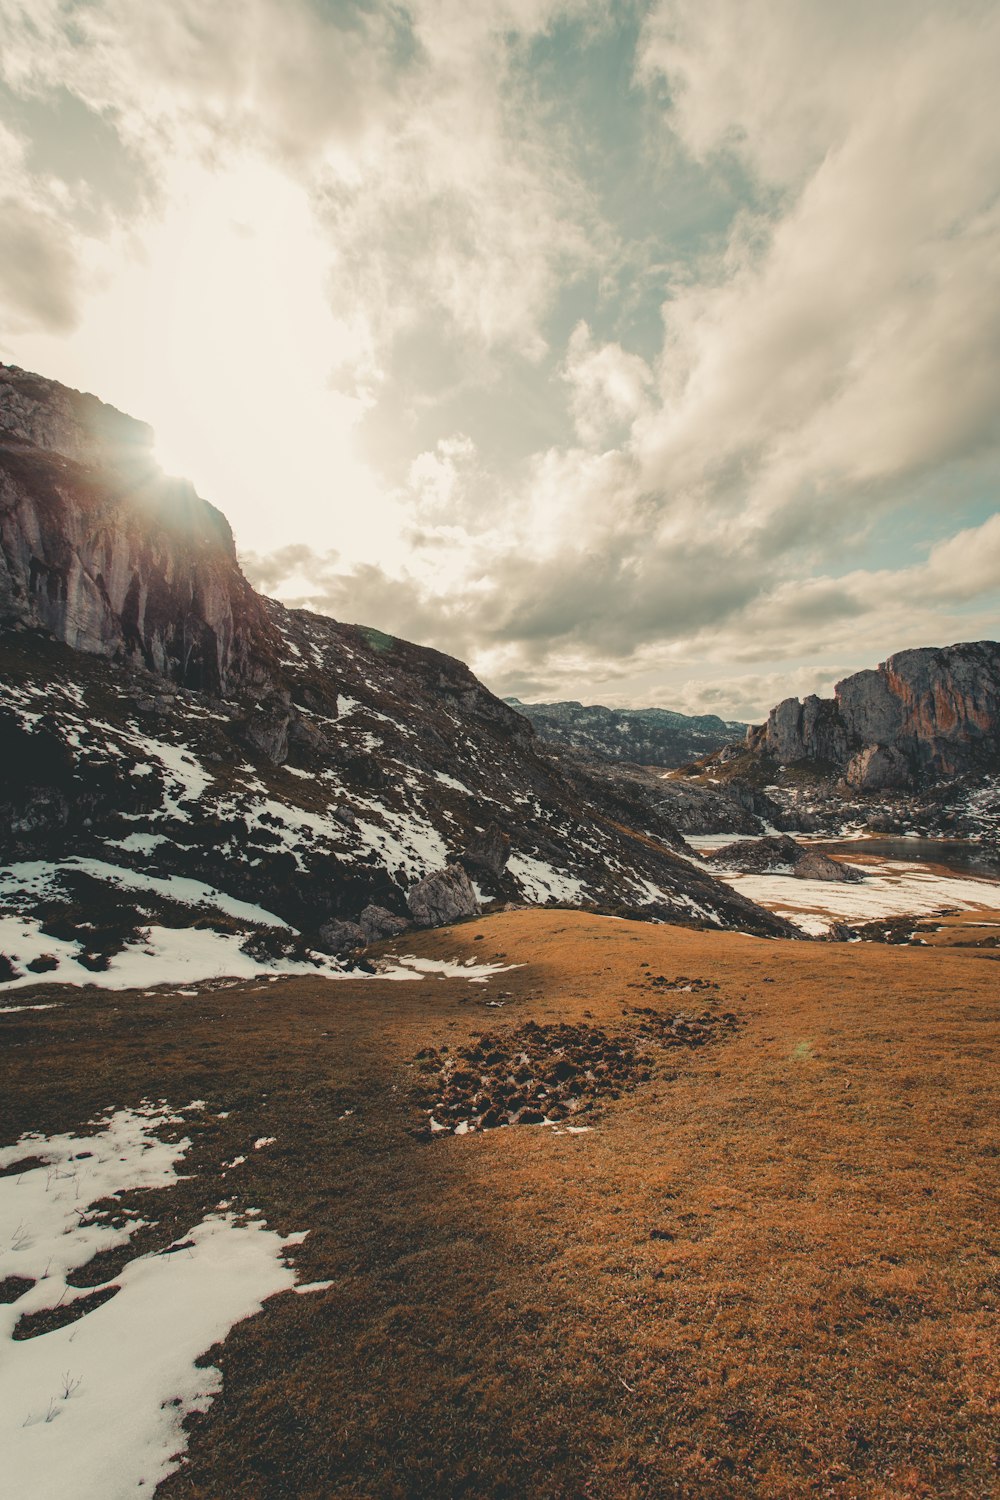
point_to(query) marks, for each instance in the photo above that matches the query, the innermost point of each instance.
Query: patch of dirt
(46, 1319)
(13, 1287)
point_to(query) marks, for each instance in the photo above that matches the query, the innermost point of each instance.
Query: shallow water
(961, 855)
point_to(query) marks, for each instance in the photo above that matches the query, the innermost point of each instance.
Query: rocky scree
(557, 1075)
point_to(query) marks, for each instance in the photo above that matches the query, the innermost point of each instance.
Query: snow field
(890, 889)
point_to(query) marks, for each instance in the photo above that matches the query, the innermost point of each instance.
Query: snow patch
(539, 882)
(93, 1410)
(408, 966)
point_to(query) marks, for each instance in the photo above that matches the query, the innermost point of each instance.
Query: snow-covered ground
(163, 955)
(409, 967)
(891, 888)
(540, 882)
(92, 1410)
(31, 879)
(188, 955)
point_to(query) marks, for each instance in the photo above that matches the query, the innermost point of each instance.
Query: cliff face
(98, 547)
(923, 715)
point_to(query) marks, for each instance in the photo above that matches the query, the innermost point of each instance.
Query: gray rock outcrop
(486, 854)
(442, 897)
(813, 864)
(923, 715)
(878, 768)
(783, 856)
(377, 924)
(341, 938)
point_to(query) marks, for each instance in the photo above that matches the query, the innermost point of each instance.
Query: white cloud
(334, 201)
(852, 338)
(608, 388)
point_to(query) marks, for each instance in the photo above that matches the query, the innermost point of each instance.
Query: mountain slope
(203, 755)
(645, 736)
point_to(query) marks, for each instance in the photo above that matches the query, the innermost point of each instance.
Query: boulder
(878, 768)
(268, 733)
(486, 853)
(377, 924)
(815, 865)
(340, 937)
(442, 897)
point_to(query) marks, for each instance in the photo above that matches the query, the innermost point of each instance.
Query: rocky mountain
(910, 747)
(103, 551)
(644, 736)
(921, 716)
(195, 775)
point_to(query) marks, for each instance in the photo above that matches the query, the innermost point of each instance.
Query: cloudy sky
(636, 353)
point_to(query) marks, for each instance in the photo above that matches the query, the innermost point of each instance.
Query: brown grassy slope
(772, 1270)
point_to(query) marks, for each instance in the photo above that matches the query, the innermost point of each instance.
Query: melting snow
(182, 767)
(407, 966)
(457, 786)
(39, 878)
(164, 955)
(891, 889)
(540, 882)
(93, 1410)
(139, 843)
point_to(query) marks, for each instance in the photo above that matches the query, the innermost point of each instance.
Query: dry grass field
(771, 1267)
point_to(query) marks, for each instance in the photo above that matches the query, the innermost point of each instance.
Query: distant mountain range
(645, 736)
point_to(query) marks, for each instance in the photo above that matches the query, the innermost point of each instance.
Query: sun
(214, 324)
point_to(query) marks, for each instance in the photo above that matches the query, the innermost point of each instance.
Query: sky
(635, 353)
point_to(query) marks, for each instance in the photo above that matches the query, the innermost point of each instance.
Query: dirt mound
(552, 1075)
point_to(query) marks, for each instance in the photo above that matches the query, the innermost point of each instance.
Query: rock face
(644, 736)
(442, 897)
(922, 716)
(99, 548)
(878, 768)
